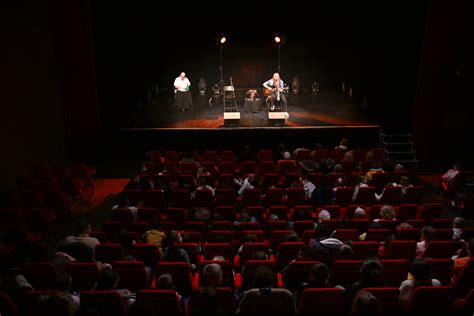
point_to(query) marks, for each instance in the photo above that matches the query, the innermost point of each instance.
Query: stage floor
(305, 110)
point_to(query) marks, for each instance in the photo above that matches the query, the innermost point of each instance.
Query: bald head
(212, 274)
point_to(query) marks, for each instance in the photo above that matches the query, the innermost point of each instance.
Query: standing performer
(183, 98)
(274, 89)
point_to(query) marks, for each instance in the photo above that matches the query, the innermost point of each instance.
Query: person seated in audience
(308, 166)
(458, 226)
(404, 225)
(376, 167)
(63, 284)
(385, 244)
(343, 144)
(313, 194)
(202, 171)
(259, 255)
(460, 261)
(404, 185)
(326, 249)
(247, 240)
(359, 212)
(57, 304)
(202, 185)
(252, 181)
(339, 182)
(125, 203)
(108, 280)
(348, 156)
(83, 231)
(449, 175)
(373, 225)
(346, 252)
(206, 303)
(174, 253)
(243, 218)
(263, 299)
(291, 236)
(305, 253)
(212, 274)
(165, 282)
(420, 276)
(365, 304)
(361, 182)
(133, 183)
(217, 258)
(125, 240)
(370, 275)
(154, 236)
(427, 234)
(190, 157)
(387, 212)
(318, 280)
(323, 215)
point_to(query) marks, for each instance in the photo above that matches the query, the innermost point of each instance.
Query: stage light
(277, 39)
(222, 40)
(315, 87)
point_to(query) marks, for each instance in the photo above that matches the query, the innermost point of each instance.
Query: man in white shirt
(274, 89)
(83, 230)
(184, 101)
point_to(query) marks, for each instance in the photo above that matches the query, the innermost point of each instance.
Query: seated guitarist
(275, 87)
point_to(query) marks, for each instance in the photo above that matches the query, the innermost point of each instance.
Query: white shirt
(308, 188)
(450, 174)
(407, 288)
(182, 84)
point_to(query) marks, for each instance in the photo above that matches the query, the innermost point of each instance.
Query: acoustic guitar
(268, 92)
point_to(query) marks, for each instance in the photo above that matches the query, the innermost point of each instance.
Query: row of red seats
(441, 300)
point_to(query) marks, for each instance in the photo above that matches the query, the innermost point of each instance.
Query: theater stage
(326, 108)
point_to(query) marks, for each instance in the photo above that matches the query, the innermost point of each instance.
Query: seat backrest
(277, 237)
(249, 268)
(408, 234)
(7, 307)
(220, 249)
(440, 249)
(441, 269)
(395, 271)
(227, 272)
(431, 299)
(406, 212)
(132, 274)
(41, 275)
(365, 249)
(401, 249)
(288, 251)
(344, 272)
(297, 273)
(84, 275)
(107, 302)
(377, 234)
(109, 252)
(326, 301)
(388, 298)
(465, 280)
(224, 298)
(164, 301)
(250, 248)
(180, 273)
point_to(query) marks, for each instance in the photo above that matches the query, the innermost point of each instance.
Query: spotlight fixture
(222, 40)
(277, 39)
